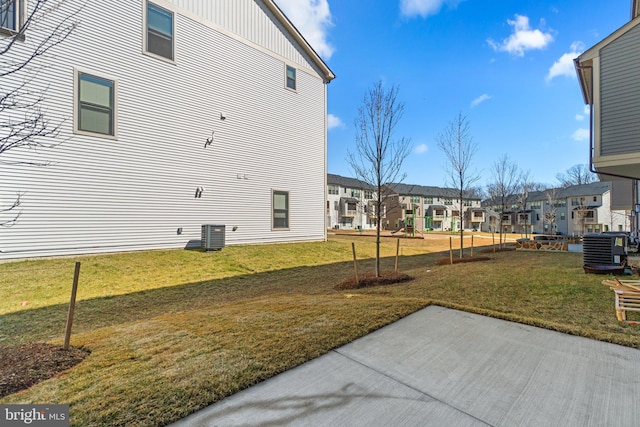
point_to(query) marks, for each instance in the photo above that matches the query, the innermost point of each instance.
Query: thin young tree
(526, 187)
(551, 210)
(456, 142)
(379, 153)
(24, 126)
(504, 187)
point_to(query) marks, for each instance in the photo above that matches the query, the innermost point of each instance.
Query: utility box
(213, 237)
(605, 249)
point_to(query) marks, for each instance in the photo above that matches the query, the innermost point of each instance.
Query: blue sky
(505, 64)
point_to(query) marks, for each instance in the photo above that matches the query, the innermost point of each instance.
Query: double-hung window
(291, 77)
(280, 209)
(95, 105)
(159, 31)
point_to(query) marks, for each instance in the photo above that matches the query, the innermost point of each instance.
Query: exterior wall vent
(213, 237)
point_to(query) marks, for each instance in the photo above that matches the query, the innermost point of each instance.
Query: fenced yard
(173, 331)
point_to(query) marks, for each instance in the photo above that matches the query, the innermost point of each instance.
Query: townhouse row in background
(574, 210)
(172, 114)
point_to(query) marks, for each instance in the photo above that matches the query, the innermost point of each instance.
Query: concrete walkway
(442, 367)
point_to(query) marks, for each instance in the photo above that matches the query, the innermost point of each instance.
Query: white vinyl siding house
(208, 137)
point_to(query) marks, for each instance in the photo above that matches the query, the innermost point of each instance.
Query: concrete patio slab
(442, 367)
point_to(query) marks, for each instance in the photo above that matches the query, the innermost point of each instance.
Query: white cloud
(587, 109)
(564, 66)
(334, 121)
(420, 149)
(579, 117)
(313, 19)
(523, 38)
(479, 100)
(581, 134)
(425, 8)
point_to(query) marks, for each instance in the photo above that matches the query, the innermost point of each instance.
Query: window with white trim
(280, 210)
(11, 15)
(159, 31)
(291, 78)
(95, 104)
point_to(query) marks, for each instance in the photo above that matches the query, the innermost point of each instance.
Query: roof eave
(583, 62)
(328, 74)
(584, 72)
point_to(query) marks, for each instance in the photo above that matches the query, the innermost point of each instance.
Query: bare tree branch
(576, 175)
(24, 124)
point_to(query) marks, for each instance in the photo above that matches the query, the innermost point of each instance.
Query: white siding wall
(132, 193)
(249, 19)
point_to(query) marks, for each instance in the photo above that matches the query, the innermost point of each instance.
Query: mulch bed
(369, 279)
(24, 365)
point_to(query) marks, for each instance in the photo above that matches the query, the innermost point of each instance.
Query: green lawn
(173, 331)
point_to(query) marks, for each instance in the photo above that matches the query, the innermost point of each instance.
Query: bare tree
(550, 216)
(526, 187)
(457, 145)
(23, 123)
(576, 175)
(506, 183)
(380, 155)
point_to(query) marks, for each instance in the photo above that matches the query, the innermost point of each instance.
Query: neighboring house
(350, 204)
(575, 210)
(431, 208)
(609, 77)
(174, 114)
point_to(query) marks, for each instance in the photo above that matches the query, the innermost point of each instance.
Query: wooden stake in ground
(451, 250)
(472, 245)
(397, 254)
(493, 236)
(355, 262)
(72, 306)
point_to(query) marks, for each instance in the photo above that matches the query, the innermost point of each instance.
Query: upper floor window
(575, 201)
(428, 200)
(415, 199)
(8, 15)
(12, 15)
(368, 194)
(448, 202)
(291, 77)
(333, 189)
(95, 104)
(159, 31)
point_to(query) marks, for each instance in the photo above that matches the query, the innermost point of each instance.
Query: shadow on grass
(48, 323)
